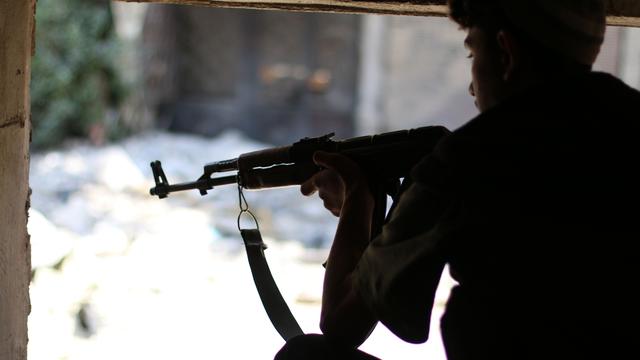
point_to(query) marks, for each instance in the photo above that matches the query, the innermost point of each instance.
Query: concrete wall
(428, 74)
(414, 72)
(630, 57)
(16, 29)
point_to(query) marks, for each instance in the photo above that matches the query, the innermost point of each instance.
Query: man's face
(487, 84)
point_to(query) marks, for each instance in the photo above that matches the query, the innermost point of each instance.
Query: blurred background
(118, 274)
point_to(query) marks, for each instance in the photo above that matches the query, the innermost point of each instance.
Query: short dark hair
(489, 16)
(486, 14)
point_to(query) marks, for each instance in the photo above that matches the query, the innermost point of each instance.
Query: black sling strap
(277, 309)
(275, 306)
(272, 301)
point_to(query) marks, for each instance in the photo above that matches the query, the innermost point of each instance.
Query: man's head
(515, 43)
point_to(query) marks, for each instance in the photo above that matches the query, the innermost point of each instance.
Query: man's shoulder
(566, 114)
(555, 107)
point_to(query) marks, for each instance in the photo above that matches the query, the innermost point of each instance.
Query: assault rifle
(384, 158)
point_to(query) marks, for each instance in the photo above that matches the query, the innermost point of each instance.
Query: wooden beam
(623, 13)
(16, 44)
(620, 12)
(419, 8)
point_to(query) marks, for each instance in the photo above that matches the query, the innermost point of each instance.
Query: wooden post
(16, 44)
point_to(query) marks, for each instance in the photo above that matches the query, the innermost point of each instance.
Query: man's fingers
(329, 182)
(308, 187)
(336, 162)
(322, 179)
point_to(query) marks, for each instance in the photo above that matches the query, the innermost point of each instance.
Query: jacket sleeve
(399, 271)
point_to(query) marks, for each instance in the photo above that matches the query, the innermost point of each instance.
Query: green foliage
(75, 82)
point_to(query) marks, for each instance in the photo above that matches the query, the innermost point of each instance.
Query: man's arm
(345, 191)
(344, 315)
(392, 279)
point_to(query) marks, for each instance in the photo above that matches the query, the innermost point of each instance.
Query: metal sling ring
(252, 216)
(244, 208)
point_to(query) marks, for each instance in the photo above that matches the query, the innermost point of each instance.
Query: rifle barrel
(203, 185)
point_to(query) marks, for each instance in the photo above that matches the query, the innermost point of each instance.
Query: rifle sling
(275, 306)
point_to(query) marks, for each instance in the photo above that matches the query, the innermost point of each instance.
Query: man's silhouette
(533, 204)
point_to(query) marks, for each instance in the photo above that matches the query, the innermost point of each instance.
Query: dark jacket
(535, 206)
(547, 189)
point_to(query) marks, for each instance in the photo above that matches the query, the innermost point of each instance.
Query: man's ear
(510, 53)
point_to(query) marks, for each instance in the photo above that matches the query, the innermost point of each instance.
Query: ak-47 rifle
(384, 158)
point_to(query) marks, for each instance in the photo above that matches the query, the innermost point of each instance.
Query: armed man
(533, 204)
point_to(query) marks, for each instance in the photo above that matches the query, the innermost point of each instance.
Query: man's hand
(340, 178)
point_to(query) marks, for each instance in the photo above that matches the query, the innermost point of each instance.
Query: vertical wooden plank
(16, 43)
